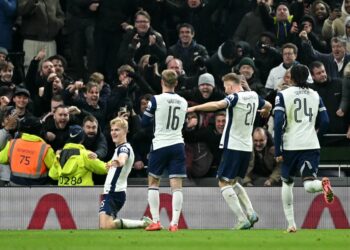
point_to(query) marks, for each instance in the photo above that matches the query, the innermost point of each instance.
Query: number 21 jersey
(169, 112)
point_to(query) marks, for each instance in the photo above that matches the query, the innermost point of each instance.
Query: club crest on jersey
(230, 97)
(124, 150)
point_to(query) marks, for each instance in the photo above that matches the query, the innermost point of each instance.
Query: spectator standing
(187, 49)
(42, 20)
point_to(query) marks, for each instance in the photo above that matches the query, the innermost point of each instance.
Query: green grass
(181, 240)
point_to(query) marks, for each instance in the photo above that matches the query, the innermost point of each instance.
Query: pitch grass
(181, 240)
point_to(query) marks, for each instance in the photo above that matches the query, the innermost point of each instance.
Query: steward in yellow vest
(30, 157)
(77, 162)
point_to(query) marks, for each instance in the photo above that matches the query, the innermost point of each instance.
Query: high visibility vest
(26, 158)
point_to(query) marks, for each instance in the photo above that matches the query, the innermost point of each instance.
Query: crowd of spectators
(84, 62)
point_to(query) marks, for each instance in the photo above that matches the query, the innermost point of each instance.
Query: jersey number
(173, 120)
(302, 107)
(249, 117)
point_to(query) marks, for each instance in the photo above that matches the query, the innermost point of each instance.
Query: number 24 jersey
(301, 107)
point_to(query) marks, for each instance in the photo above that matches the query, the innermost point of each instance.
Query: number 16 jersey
(301, 107)
(169, 112)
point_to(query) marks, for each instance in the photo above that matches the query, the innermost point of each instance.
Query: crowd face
(61, 117)
(21, 101)
(90, 128)
(143, 105)
(175, 64)
(247, 71)
(287, 79)
(57, 85)
(57, 64)
(206, 90)
(220, 121)
(47, 68)
(289, 56)
(193, 3)
(142, 24)
(319, 75)
(92, 96)
(55, 104)
(186, 36)
(282, 13)
(338, 51)
(321, 11)
(259, 140)
(6, 74)
(2, 57)
(347, 6)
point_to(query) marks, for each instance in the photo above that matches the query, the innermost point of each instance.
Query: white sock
(313, 186)
(243, 198)
(125, 223)
(233, 202)
(176, 206)
(153, 201)
(287, 201)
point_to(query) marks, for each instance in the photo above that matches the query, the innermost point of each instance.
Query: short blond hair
(235, 78)
(169, 77)
(120, 122)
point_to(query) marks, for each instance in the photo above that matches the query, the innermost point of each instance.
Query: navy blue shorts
(171, 158)
(303, 161)
(233, 164)
(112, 203)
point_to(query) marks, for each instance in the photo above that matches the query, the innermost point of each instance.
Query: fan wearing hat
(3, 54)
(78, 164)
(21, 99)
(31, 159)
(246, 68)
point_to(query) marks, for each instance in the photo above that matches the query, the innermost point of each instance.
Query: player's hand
(279, 158)
(115, 163)
(191, 109)
(94, 6)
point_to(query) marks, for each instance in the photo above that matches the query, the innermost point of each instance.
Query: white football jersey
(117, 178)
(240, 116)
(169, 112)
(301, 106)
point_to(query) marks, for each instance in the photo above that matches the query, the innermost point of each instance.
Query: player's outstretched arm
(265, 110)
(209, 106)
